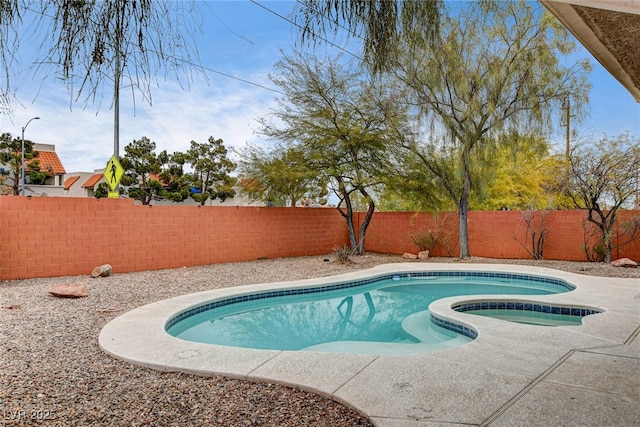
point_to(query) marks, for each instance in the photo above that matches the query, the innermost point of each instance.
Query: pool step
(419, 326)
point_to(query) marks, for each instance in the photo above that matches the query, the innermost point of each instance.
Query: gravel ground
(53, 372)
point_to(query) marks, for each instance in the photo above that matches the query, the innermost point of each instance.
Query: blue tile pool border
(524, 306)
(561, 284)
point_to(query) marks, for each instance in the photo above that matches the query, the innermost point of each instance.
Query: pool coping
(468, 384)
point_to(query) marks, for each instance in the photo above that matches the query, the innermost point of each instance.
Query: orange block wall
(492, 234)
(59, 236)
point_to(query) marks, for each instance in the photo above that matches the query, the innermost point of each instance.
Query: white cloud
(224, 108)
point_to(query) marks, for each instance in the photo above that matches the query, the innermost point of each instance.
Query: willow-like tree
(343, 123)
(378, 23)
(90, 42)
(492, 68)
(9, 16)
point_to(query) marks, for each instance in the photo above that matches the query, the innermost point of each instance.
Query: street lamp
(23, 128)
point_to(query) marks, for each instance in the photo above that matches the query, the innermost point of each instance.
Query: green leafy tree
(36, 175)
(343, 123)
(176, 183)
(211, 171)
(513, 174)
(141, 169)
(101, 191)
(11, 158)
(492, 68)
(601, 179)
(412, 188)
(280, 177)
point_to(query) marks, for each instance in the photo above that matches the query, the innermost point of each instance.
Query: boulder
(101, 271)
(423, 254)
(69, 290)
(624, 262)
(407, 255)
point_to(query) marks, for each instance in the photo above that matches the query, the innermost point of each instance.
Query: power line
(193, 64)
(299, 26)
(209, 69)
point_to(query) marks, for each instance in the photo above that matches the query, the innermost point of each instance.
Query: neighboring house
(82, 184)
(91, 184)
(50, 163)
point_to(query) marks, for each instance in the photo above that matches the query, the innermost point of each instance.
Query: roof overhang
(610, 30)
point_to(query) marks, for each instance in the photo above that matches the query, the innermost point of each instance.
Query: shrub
(536, 231)
(426, 240)
(343, 253)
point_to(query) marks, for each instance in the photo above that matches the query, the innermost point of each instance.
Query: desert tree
(342, 121)
(411, 188)
(601, 179)
(514, 173)
(492, 68)
(279, 176)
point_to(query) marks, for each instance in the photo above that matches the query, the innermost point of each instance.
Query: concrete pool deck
(512, 374)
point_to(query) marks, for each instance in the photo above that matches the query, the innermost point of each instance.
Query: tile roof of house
(159, 178)
(50, 162)
(70, 181)
(93, 180)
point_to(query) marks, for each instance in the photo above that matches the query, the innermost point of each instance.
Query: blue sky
(241, 39)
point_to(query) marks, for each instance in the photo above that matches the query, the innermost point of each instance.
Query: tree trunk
(605, 224)
(16, 183)
(463, 207)
(363, 228)
(348, 217)
(463, 229)
(607, 230)
(352, 231)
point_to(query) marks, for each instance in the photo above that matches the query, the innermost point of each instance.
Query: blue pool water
(383, 315)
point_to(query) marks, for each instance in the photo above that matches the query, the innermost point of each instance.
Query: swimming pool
(502, 362)
(387, 314)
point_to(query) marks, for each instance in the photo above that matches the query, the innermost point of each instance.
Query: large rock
(407, 255)
(423, 254)
(69, 290)
(101, 271)
(624, 262)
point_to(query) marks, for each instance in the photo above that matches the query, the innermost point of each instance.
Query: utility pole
(567, 106)
(638, 188)
(116, 88)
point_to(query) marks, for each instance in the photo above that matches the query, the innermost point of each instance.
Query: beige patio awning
(610, 30)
